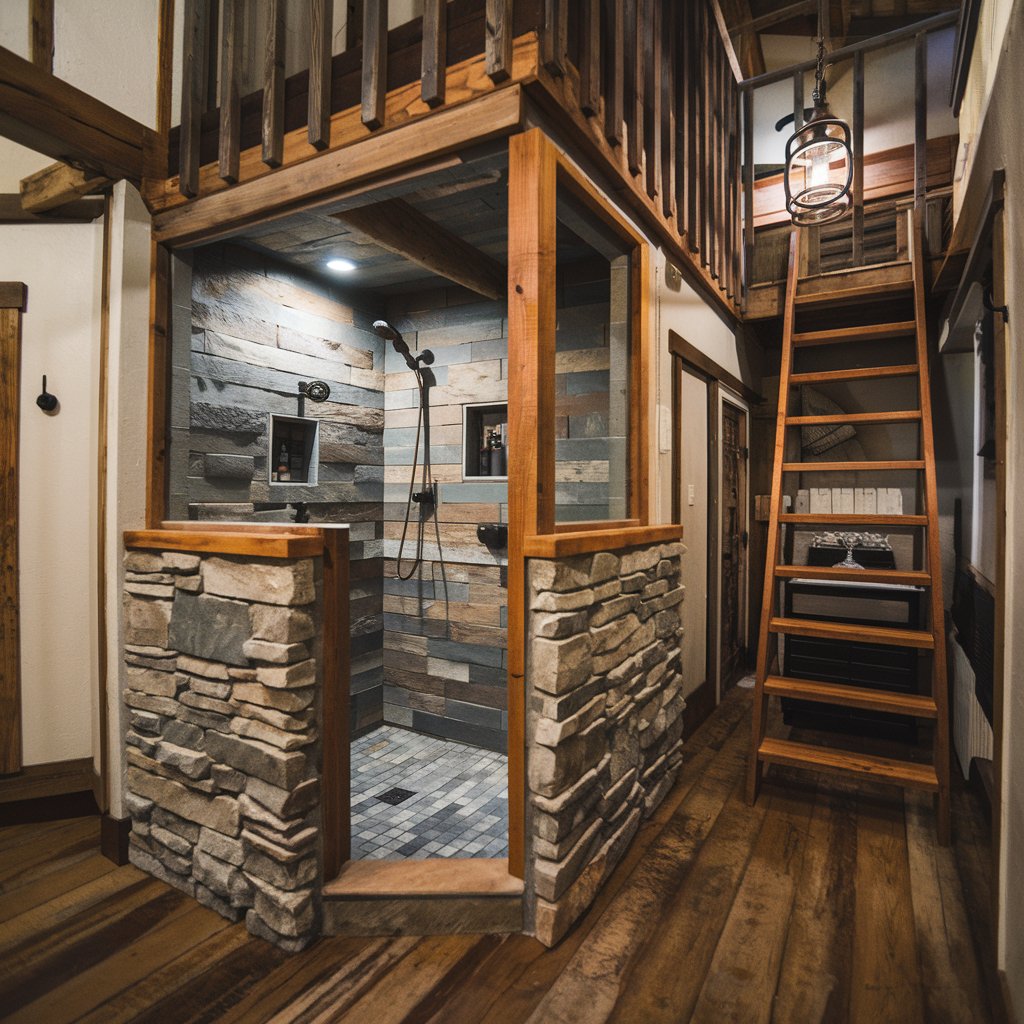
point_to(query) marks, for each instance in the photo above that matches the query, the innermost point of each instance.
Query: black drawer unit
(868, 665)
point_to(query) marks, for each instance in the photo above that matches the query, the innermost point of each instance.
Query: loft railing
(648, 85)
(862, 250)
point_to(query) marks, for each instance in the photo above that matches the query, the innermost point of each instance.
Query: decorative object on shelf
(498, 462)
(46, 401)
(293, 455)
(819, 158)
(850, 540)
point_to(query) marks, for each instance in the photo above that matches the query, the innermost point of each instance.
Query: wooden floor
(818, 904)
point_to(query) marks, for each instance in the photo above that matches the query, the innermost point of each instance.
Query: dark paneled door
(734, 543)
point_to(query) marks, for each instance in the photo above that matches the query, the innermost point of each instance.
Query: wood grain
(563, 545)
(498, 40)
(804, 755)
(41, 34)
(197, 17)
(230, 100)
(273, 86)
(434, 59)
(852, 696)
(319, 105)
(266, 544)
(57, 185)
(375, 63)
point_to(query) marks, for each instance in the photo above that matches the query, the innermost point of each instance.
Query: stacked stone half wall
(604, 718)
(223, 754)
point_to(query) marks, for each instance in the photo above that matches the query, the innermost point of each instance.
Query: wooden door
(732, 594)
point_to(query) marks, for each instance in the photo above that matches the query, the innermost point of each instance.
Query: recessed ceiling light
(341, 266)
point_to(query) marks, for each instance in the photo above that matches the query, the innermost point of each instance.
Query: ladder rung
(863, 373)
(852, 519)
(819, 692)
(900, 416)
(871, 332)
(884, 769)
(854, 632)
(820, 572)
(860, 293)
(850, 467)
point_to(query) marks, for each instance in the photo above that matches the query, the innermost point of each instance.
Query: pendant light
(819, 159)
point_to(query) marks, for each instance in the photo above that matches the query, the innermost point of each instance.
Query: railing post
(498, 42)
(858, 159)
(375, 62)
(434, 57)
(197, 18)
(748, 192)
(273, 86)
(920, 119)
(319, 108)
(230, 100)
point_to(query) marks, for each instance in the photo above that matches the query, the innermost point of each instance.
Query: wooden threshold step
(871, 332)
(883, 769)
(857, 373)
(898, 416)
(852, 696)
(907, 577)
(854, 632)
(857, 295)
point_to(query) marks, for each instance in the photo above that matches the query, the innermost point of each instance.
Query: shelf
(479, 422)
(295, 444)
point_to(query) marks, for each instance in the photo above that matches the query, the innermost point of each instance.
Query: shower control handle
(426, 497)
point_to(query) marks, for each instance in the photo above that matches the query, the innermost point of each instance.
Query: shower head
(384, 330)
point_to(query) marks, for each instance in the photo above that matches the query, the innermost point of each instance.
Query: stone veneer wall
(604, 718)
(223, 755)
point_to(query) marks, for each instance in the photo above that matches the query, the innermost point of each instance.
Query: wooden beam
(41, 26)
(230, 94)
(400, 228)
(197, 15)
(433, 62)
(273, 85)
(723, 34)
(58, 185)
(375, 62)
(320, 36)
(13, 296)
(498, 41)
(79, 211)
(52, 117)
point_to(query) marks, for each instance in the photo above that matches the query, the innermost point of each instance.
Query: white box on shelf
(803, 501)
(821, 500)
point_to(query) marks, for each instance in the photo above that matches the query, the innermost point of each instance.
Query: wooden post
(320, 35)
(498, 39)
(273, 86)
(634, 86)
(858, 159)
(590, 57)
(12, 304)
(651, 42)
(669, 105)
(554, 37)
(748, 192)
(920, 120)
(375, 62)
(230, 100)
(614, 58)
(197, 17)
(41, 32)
(434, 56)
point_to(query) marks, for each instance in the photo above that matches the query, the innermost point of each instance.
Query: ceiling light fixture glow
(341, 266)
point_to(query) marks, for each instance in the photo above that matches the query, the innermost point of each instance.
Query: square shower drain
(395, 796)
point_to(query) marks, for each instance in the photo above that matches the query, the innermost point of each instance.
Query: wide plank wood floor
(825, 902)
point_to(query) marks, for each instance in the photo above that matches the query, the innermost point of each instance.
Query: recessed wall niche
(485, 442)
(294, 450)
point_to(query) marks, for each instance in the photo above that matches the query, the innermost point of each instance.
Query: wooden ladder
(933, 706)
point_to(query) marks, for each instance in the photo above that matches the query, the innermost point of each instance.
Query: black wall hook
(46, 401)
(989, 301)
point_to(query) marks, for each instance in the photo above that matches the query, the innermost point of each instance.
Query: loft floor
(820, 903)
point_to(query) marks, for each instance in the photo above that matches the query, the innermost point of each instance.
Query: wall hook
(990, 305)
(46, 401)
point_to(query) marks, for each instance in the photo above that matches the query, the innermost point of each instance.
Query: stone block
(283, 583)
(655, 589)
(288, 913)
(209, 688)
(143, 562)
(551, 771)
(666, 568)
(210, 899)
(255, 926)
(146, 721)
(145, 861)
(610, 636)
(163, 662)
(203, 667)
(164, 706)
(550, 733)
(640, 560)
(192, 699)
(179, 826)
(557, 625)
(565, 574)
(228, 467)
(268, 697)
(203, 719)
(253, 811)
(138, 807)
(567, 602)
(605, 566)
(223, 878)
(277, 654)
(164, 590)
(182, 847)
(609, 589)
(278, 767)
(558, 666)
(289, 677)
(639, 638)
(210, 628)
(217, 812)
(190, 584)
(299, 843)
(146, 621)
(285, 803)
(253, 840)
(227, 778)
(612, 609)
(280, 624)
(180, 562)
(291, 721)
(289, 877)
(151, 681)
(190, 763)
(280, 738)
(634, 583)
(625, 749)
(147, 744)
(551, 879)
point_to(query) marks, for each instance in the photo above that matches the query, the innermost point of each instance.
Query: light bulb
(819, 174)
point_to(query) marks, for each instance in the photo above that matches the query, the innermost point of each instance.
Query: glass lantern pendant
(819, 162)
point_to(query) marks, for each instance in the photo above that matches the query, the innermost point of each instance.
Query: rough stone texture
(222, 692)
(604, 718)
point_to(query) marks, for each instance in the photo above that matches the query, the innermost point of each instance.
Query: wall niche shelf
(480, 422)
(294, 456)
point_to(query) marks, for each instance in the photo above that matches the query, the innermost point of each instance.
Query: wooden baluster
(704, 211)
(210, 52)
(614, 63)
(669, 105)
(858, 159)
(737, 186)
(320, 35)
(354, 24)
(634, 85)
(710, 161)
(693, 177)
(41, 32)
(651, 70)
(230, 103)
(554, 38)
(920, 120)
(434, 60)
(375, 62)
(681, 91)
(590, 58)
(197, 15)
(498, 42)
(273, 86)
(748, 192)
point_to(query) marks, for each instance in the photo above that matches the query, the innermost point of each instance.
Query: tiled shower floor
(458, 805)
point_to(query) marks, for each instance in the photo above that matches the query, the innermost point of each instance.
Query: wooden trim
(713, 652)
(336, 661)
(114, 834)
(300, 186)
(78, 211)
(55, 778)
(562, 545)
(41, 34)
(57, 185)
(158, 384)
(699, 706)
(465, 876)
(12, 297)
(586, 526)
(966, 33)
(164, 77)
(726, 40)
(707, 367)
(269, 543)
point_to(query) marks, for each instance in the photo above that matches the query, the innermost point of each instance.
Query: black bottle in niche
(498, 460)
(283, 474)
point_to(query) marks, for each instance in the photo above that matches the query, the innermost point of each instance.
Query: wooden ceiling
(749, 21)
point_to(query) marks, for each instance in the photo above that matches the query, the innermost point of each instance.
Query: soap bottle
(284, 473)
(499, 465)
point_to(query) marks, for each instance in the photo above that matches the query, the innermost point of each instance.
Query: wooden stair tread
(907, 577)
(876, 292)
(898, 416)
(870, 332)
(851, 467)
(884, 769)
(853, 519)
(858, 373)
(854, 632)
(914, 704)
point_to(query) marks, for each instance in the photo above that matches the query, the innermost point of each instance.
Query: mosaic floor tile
(458, 805)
